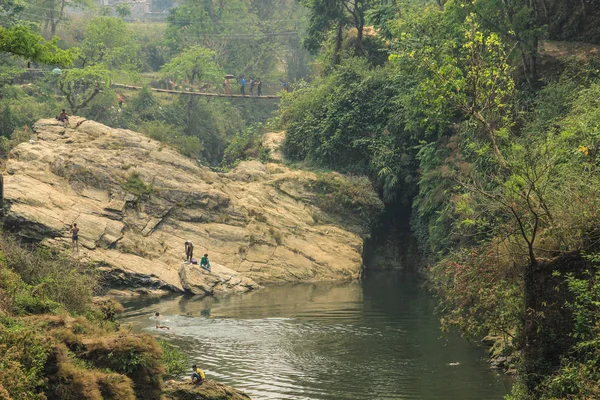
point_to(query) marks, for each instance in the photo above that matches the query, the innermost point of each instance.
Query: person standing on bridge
(251, 83)
(243, 87)
(259, 87)
(226, 86)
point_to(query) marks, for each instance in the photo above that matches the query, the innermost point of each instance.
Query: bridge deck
(130, 87)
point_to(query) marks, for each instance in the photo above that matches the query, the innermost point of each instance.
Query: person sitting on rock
(189, 251)
(204, 263)
(63, 117)
(198, 376)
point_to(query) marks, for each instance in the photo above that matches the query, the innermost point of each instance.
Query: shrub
(245, 145)
(351, 199)
(135, 185)
(175, 361)
(189, 146)
(40, 280)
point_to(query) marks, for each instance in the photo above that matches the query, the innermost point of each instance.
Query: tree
(244, 43)
(10, 11)
(473, 77)
(194, 64)
(54, 11)
(82, 85)
(109, 41)
(123, 10)
(326, 15)
(21, 41)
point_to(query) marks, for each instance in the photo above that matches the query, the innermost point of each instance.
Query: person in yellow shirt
(197, 375)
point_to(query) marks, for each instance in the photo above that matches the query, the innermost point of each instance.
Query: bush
(135, 185)
(175, 361)
(24, 355)
(352, 199)
(245, 145)
(189, 146)
(40, 280)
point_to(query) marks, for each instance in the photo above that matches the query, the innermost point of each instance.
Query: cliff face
(136, 201)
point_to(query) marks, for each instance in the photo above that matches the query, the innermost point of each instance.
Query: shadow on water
(378, 339)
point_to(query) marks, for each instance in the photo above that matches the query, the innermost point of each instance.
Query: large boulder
(136, 201)
(198, 281)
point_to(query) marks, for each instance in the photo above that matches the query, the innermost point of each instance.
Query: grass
(135, 185)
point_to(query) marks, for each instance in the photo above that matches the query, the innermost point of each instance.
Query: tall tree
(53, 12)
(328, 15)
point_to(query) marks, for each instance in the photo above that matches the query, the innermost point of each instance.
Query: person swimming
(159, 326)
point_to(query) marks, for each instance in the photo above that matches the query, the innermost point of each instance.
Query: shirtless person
(75, 238)
(63, 117)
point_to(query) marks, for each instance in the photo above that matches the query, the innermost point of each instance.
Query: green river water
(376, 339)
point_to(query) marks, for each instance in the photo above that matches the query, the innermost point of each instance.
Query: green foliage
(46, 279)
(81, 85)
(123, 10)
(351, 199)
(24, 355)
(189, 146)
(195, 64)
(176, 362)
(22, 41)
(109, 41)
(249, 37)
(136, 185)
(347, 122)
(245, 145)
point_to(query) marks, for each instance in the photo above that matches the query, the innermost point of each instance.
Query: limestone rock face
(209, 390)
(136, 202)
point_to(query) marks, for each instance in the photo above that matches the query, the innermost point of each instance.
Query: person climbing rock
(63, 117)
(204, 263)
(189, 251)
(75, 238)
(120, 101)
(198, 376)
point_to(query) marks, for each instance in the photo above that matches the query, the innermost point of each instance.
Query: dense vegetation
(469, 113)
(57, 343)
(192, 49)
(56, 340)
(492, 142)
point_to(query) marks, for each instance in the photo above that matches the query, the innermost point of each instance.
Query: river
(376, 339)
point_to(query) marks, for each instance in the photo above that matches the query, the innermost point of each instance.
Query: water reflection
(375, 340)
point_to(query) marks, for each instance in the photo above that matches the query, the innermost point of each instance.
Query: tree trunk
(338, 43)
(530, 334)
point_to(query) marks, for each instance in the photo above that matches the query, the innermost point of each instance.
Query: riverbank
(58, 342)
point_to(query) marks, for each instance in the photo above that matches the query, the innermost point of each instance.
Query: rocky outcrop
(209, 390)
(198, 281)
(136, 201)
